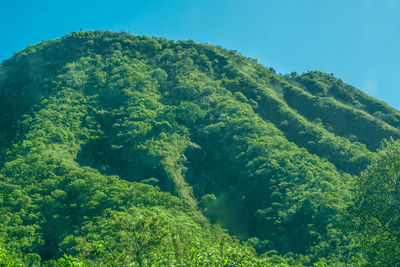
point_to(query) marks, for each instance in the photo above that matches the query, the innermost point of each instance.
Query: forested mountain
(118, 149)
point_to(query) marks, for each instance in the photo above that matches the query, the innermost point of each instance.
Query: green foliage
(349, 95)
(342, 119)
(128, 150)
(375, 209)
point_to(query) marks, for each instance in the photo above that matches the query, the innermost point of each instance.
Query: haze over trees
(118, 149)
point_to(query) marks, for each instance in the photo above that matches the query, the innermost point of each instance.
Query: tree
(375, 211)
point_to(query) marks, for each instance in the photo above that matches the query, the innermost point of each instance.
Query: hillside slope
(103, 131)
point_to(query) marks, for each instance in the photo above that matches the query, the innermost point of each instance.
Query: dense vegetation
(118, 149)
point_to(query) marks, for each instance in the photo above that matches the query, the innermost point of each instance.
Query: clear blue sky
(357, 40)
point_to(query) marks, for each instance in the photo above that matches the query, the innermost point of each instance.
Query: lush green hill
(118, 148)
